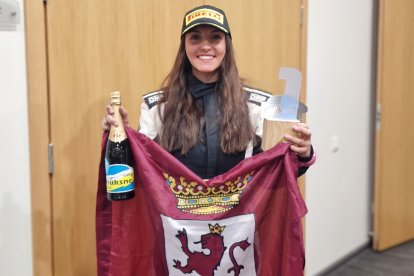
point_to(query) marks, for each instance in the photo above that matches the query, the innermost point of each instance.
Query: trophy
(281, 112)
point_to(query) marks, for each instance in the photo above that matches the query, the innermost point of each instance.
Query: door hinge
(378, 116)
(302, 14)
(51, 159)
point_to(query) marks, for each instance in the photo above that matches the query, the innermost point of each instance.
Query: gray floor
(397, 261)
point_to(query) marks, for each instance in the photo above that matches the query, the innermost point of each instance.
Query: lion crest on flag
(221, 251)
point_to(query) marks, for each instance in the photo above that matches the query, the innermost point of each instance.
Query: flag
(244, 222)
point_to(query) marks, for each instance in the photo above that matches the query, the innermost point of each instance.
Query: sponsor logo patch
(153, 99)
(204, 13)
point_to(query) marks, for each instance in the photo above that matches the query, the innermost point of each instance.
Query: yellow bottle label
(119, 178)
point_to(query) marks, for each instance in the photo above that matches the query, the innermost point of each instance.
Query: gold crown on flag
(201, 199)
(216, 229)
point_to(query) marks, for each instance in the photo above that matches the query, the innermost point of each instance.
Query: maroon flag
(244, 222)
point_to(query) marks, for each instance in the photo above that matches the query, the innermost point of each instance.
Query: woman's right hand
(109, 120)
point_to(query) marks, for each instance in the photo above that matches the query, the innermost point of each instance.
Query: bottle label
(119, 178)
(117, 135)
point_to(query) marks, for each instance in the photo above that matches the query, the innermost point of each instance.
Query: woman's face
(205, 47)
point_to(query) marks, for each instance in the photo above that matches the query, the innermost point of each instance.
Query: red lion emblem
(206, 264)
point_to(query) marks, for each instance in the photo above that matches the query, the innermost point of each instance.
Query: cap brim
(205, 23)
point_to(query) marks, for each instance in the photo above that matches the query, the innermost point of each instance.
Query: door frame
(39, 133)
(39, 130)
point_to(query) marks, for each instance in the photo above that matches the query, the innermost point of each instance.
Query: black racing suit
(206, 159)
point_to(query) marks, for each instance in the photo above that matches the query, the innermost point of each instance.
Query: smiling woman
(202, 114)
(209, 122)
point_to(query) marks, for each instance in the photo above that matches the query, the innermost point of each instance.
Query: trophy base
(274, 131)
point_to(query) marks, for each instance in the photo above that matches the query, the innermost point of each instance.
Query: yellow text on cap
(204, 13)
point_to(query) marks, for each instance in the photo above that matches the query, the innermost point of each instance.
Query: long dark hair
(183, 120)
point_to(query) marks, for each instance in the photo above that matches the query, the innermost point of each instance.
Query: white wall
(15, 213)
(339, 89)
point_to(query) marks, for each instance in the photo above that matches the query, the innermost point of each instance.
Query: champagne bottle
(118, 159)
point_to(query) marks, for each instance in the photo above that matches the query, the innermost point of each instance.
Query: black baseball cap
(205, 15)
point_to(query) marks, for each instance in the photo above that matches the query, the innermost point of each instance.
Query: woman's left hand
(301, 144)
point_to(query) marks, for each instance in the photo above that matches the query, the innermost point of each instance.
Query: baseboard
(345, 259)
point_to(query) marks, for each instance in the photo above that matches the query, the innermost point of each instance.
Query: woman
(202, 115)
